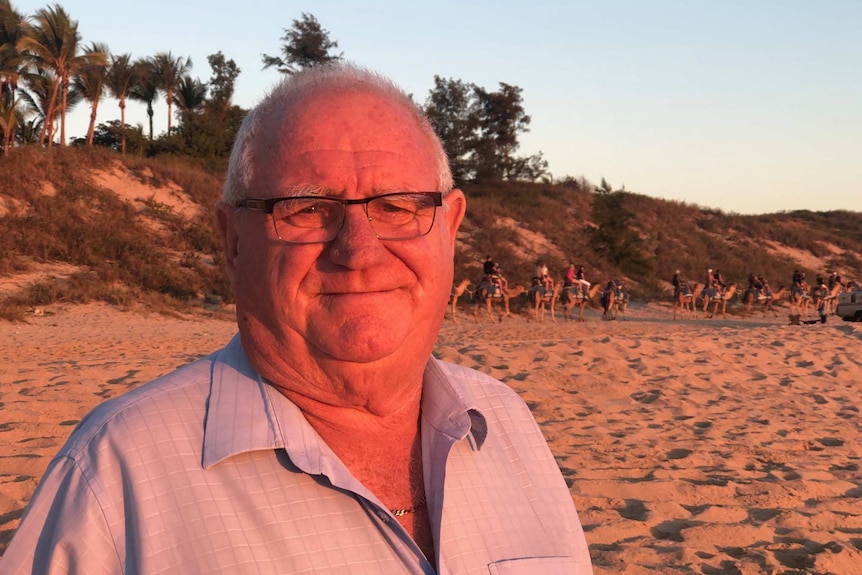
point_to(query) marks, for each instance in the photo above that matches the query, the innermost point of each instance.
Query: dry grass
(160, 248)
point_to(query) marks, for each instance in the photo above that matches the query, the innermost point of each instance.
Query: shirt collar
(246, 414)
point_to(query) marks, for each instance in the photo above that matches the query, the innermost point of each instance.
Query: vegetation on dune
(145, 253)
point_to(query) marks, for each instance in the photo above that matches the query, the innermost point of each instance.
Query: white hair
(339, 77)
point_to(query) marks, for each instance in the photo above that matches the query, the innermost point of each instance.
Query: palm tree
(122, 75)
(13, 65)
(42, 87)
(191, 95)
(144, 89)
(90, 83)
(51, 43)
(169, 70)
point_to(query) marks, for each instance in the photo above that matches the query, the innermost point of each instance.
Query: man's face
(356, 298)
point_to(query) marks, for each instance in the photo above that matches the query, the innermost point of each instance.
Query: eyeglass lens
(394, 216)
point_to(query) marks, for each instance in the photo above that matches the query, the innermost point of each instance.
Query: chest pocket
(535, 565)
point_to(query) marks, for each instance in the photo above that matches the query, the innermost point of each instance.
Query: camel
(457, 291)
(748, 300)
(720, 298)
(800, 300)
(539, 299)
(483, 295)
(608, 300)
(831, 299)
(684, 300)
(620, 301)
(573, 296)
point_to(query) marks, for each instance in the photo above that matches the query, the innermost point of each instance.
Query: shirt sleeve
(64, 529)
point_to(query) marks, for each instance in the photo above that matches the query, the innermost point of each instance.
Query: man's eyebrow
(308, 190)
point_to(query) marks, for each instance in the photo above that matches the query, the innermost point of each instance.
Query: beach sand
(717, 447)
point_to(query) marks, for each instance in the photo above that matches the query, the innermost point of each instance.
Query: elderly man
(325, 438)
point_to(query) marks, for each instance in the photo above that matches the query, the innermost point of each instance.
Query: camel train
(569, 297)
(490, 294)
(690, 299)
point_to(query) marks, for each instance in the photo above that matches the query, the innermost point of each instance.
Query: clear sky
(749, 106)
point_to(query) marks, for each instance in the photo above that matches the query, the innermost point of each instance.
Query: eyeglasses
(319, 219)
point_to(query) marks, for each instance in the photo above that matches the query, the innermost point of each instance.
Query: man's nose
(356, 245)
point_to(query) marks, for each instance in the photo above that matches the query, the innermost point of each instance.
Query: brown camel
(800, 300)
(609, 295)
(720, 298)
(539, 300)
(684, 300)
(571, 297)
(620, 301)
(749, 301)
(457, 292)
(832, 298)
(483, 297)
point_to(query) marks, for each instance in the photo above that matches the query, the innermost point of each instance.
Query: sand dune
(717, 446)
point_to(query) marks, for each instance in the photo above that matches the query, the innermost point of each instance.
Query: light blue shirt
(211, 470)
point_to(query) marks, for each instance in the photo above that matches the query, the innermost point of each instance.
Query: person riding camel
(755, 285)
(764, 286)
(719, 288)
(680, 285)
(493, 275)
(547, 284)
(709, 284)
(798, 278)
(569, 276)
(580, 277)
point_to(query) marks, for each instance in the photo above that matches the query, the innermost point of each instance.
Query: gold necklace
(408, 510)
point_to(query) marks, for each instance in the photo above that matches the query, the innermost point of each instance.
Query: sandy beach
(716, 447)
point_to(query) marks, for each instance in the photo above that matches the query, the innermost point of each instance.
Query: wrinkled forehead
(343, 140)
(354, 120)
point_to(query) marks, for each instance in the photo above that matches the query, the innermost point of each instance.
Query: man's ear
(225, 221)
(454, 208)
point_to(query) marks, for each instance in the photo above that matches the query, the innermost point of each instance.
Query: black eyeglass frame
(267, 206)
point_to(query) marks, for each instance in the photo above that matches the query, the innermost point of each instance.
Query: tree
(613, 237)
(501, 118)
(531, 168)
(144, 88)
(221, 83)
(449, 110)
(51, 43)
(305, 45)
(90, 83)
(13, 64)
(42, 86)
(168, 71)
(189, 98)
(121, 77)
(118, 137)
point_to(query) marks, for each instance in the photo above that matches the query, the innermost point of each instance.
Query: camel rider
(580, 277)
(569, 275)
(798, 278)
(709, 284)
(493, 275)
(755, 285)
(679, 285)
(547, 284)
(541, 270)
(764, 286)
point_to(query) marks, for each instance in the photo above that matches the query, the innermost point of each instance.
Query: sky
(747, 106)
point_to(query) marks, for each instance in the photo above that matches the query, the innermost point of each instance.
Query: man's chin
(361, 339)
